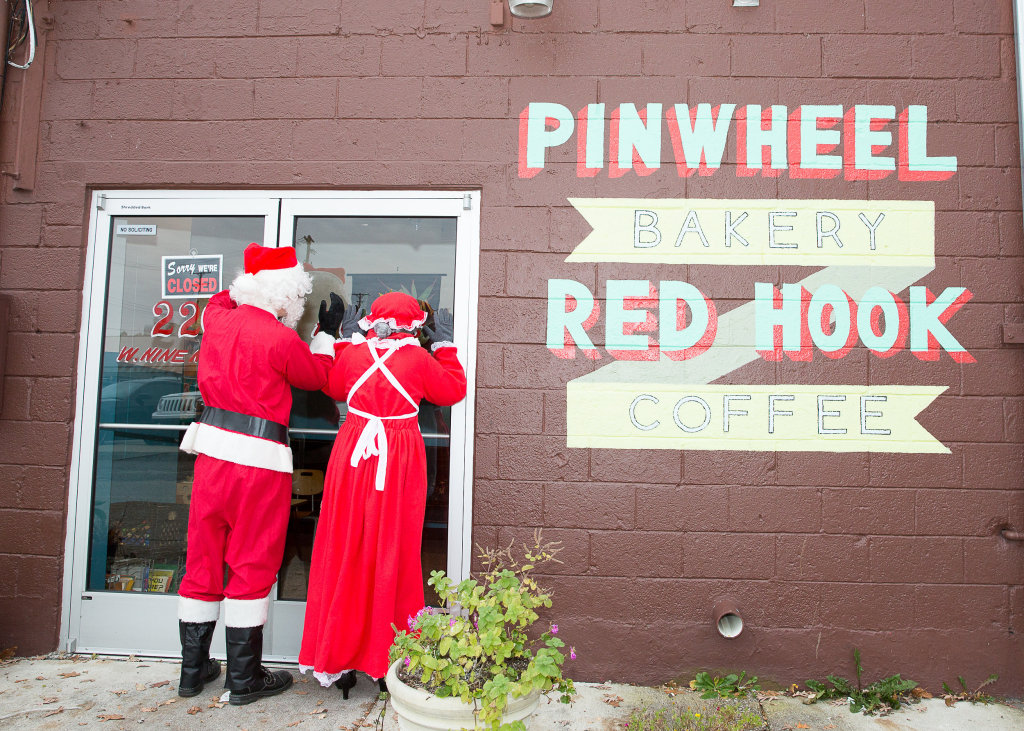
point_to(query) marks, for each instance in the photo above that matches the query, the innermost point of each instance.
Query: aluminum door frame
(107, 615)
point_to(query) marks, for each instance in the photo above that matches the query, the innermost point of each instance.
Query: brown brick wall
(898, 555)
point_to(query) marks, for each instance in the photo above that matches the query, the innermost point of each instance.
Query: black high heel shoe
(346, 682)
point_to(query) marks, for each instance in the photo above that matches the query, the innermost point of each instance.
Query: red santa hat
(259, 258)
(398, 310)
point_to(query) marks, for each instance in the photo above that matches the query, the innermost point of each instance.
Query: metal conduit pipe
(1018, 38)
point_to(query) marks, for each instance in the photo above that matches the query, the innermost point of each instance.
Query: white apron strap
(373, 439)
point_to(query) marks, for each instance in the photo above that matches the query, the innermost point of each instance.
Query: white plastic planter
(530, 8)
(420, 711)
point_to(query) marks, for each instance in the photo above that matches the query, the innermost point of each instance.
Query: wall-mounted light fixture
(530, 8)
(727, 617)
(745, 3)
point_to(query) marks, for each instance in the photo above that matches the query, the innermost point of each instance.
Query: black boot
(346, 682)
(247, 679)
(382, 685)
(197, 668)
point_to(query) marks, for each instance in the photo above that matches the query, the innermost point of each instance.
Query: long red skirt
(366, 572)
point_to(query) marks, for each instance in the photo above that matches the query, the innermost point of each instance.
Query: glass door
(154, 260)
(360, 249)
(155, 263)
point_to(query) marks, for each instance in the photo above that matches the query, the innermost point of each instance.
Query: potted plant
(478, 661)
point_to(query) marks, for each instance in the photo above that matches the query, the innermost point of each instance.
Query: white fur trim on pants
(246, 612)
(196, 610)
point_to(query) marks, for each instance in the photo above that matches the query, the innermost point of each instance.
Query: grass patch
(674, 717)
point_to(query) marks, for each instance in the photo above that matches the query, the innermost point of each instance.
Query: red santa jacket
(247, 363)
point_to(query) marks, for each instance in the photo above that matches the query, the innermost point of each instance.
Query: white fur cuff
(196, 610)
(322, 344)
(246, 612)
(442, 344)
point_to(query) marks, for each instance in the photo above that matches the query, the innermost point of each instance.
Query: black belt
(244, 424)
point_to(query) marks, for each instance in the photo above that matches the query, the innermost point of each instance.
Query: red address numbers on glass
(164, 313)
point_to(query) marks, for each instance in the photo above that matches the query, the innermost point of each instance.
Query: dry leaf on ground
(71, 674)
(613, 700)
(110, 717)
(149, 710)
(54, 712)
(194, 710)
(160, 684)
(47, 701)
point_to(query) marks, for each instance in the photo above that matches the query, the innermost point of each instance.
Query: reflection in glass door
(162, 272)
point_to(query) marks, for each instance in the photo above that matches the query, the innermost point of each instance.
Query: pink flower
(411, 622)
(554, 629)
(407, 661)
(572, 653)
(451, 622)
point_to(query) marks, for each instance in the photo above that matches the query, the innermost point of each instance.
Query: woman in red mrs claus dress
(366, 573)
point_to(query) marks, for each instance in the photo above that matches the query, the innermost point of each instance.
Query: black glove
(443, 329)
(330, 319)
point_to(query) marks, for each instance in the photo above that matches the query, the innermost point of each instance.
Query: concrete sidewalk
(76, 692)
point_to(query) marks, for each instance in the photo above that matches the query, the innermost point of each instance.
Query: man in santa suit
(241, 494)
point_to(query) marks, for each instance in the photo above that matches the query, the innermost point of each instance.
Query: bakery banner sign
(666, 340)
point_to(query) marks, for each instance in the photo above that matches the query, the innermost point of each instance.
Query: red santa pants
(238, 518)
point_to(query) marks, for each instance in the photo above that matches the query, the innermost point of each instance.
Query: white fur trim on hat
(275, 290)
(322, 344)
(237, 448)
(367, 324)
(386, 343)
(246, 612)
(196, 610)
